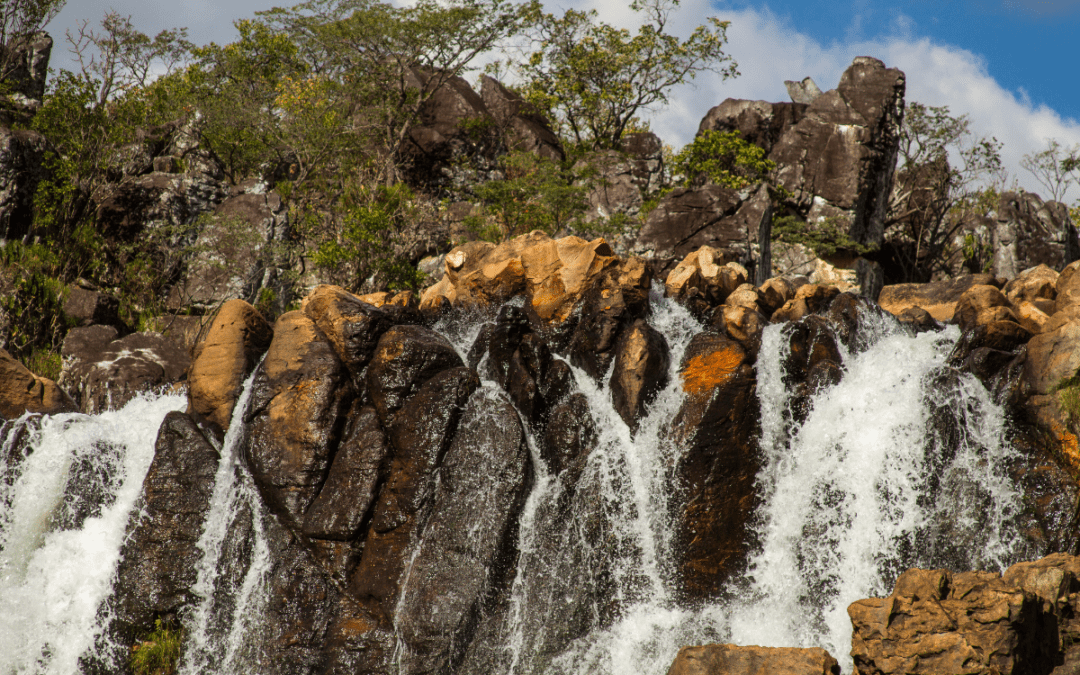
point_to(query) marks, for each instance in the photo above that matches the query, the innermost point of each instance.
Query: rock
(939, 298)
(718, 425)
(30, 68)
(157, 204)
(617, 297)
(919, 320)
(840, 156)
(352, 484)
(742, 324)
(809, 299)
(420, 436)
(524, 130)
(624, 177)
(232, 254)
(802, 92)
(641, 371)
(1029, 232)
(352, 324)
(699, 271)
(85, 307)
(758, 122)
(735, 660)
(1031, 317)
(974, 303)
(1067, 287)
(468, 547)
(21, 391)
(159, 562)
(301, 393)
(938, 621)
(774, 293)
(1034, 283)
(105, 376)
(237, 339)
(22, 152)
(569, 435)
(405, 358)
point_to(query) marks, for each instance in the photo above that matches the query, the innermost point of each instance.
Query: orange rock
(1032, 284)
(739, 660)
(21, 391)
(238, 336)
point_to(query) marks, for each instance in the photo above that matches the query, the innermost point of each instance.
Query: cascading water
(68, 486)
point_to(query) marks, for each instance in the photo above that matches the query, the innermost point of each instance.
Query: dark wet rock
(569, 436)
(641, 365)
(104, 376)
(718, 426)
(468, 548)
(297, 410)
(809, 299)
(616, 298)
(159, 561)
(352, 483)
(420, 434)
(405, 358)
(742, 324)
(918, 320)
(22, 154)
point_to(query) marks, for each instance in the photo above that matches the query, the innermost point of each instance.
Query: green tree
(1055, 168)
(594, 80)
(943, 168)
(724, 159)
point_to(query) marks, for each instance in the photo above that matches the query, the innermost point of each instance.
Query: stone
(23, 392)
(616, 298)
(158, 565)
(525, 130)
(29, 71)
(742, 324)
(105, 376)
(85, 307)
(420, 437)
(1067, 287)
(232, 254)
(939, 298)
(157, 204)
(351, 486)
(301, 392)
(569, 435)
(351, 323)
(405, 358)
(468, 547)
(236, 340)
(641, 371)
(774, 293)
(719, 659)
(758, 122)
(974, 302)
(839, 158)
(809, 299)
(1029, 232)
(717, 424)
(22, 153)
(1032, 284)
(804, 91)
(919, 320)
(700, 271)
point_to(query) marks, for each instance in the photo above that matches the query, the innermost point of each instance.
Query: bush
(159, 652)
(724, 159)
(825, 238)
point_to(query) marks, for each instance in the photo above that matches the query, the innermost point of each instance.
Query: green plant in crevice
(722, 158)
(825, 238)
(159, 652)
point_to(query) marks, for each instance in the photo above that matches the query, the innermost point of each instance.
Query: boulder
(405, 358)
(569, 436)
(939, 298)
(158, 204)
(758, 122)
(809, 299)
(616, 298)
(838, 159)
(301, 394)
(21, 391)
(938, 621)
(1029, 232)
(352, 324)
(641, 371)
(159, 562)
(106, 375)
(86, 307)
(232, 253)
(22, 152)
(523, 129)
(742, 324)
(624, 177)
(1067, 287)
(717, 424)
(1034, 283)
(699, 274)
(30, 63)
(237, 339)
(973, 305)
(736, 660)
(468, 548)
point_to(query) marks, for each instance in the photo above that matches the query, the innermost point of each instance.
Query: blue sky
(1010, 65)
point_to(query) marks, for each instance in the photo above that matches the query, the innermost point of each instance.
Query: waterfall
(224, 627)
(68, 486)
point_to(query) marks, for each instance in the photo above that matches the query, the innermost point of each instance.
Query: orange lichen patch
(704, 373)
(1069, 449)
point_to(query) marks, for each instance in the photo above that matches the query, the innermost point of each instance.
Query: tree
(594, 79)
(1054, 167)
(724, 159)
(944, 168)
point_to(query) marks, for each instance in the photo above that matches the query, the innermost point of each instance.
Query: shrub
(159, 652)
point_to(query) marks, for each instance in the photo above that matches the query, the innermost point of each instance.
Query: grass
(159, 652)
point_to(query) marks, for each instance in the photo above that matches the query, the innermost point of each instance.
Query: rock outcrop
(736, 660)
(21, 154)
(21, 391)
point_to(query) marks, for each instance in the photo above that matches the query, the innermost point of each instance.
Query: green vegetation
(724, 159)
(159, 652)
(825, 238)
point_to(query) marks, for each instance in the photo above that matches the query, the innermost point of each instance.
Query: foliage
(1054, 168)
(361, 244)
(943, 168)
(978, 254)
(593, 79)
(825, 238)
(724, 159)
(34, 302)
(534, 194)
(159, 652)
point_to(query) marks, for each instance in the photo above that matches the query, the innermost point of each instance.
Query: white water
(59, 549)
(224, 628)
